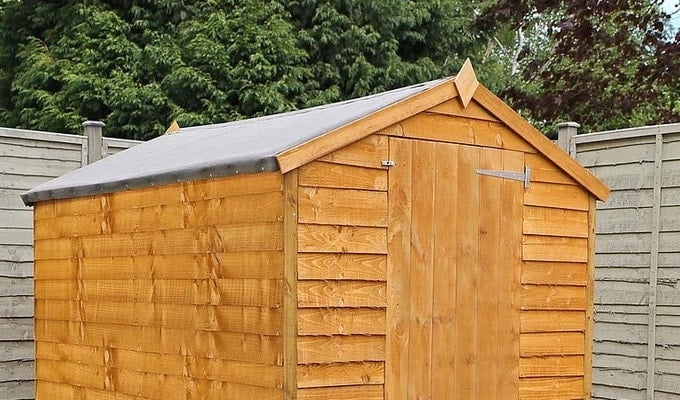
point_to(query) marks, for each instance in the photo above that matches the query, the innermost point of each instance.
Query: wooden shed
(422, 243)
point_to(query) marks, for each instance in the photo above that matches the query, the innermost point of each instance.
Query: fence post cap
(569, 124)
(94, 123)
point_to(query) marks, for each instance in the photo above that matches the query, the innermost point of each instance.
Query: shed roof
(238, 147)
(286, 141)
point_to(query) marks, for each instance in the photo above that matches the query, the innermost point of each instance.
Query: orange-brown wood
(363, 127)
(444, 270)
(398, 270)
(162, 292)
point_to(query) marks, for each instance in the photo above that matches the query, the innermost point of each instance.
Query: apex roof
(286, 141)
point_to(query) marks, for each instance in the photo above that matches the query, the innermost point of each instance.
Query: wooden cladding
(162, 293)
(342, 273)
(453, 278)
(342, 279)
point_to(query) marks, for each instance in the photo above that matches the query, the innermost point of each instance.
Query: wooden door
(454, 249)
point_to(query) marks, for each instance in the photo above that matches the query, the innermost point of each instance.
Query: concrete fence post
(94, 132)
(565, 135)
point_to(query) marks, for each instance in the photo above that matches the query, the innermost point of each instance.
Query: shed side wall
(172, 292)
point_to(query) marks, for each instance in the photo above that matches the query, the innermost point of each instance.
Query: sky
(672, 7)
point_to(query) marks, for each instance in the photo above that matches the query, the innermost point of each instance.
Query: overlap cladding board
(173, 292)
(346, 237)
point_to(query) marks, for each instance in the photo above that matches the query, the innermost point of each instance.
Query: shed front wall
(163, 293)
(344, 282)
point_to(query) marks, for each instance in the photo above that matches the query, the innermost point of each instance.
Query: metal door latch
(515, 176)
(388, 163)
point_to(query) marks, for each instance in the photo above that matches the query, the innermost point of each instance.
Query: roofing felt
(239, 147)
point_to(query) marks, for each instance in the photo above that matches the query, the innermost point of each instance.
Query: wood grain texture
(544, 170)
(290, 284)
(253, 348)
(365, 126)
(554, 273)
(552, 321)
(363, 392)
(399, 250)
(515, 122)
(341, 321)
(342, 207)
(451, 129)
(341, 294)
(260, 320)
(558, 366)
(546, 344)
(175, 291)
(560, 196)
(345, 374)
(455, 108)
(329, 175)
(264, 265)
(555, 222)
(466, 82)
(548, 248)
(488, 299)
(368, 152)
(421, 279)
(467, 253)
(244, 292)
(342, 266)
(231, 238)
(552, 388)
(334, 349)
(444, 269)
(510, 276)
(546, 297)
(341, 239)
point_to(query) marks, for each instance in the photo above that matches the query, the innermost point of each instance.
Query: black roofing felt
(239, 147)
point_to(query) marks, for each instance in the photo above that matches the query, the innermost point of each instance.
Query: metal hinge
(515, 176)
(388, 163)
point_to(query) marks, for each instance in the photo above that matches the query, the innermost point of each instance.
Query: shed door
(454, 248)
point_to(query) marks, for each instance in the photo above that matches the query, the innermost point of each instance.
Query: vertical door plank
(398, 259)
(444, 304)
(488, 275)
(421, 278)
(512, 199)
(466, 284)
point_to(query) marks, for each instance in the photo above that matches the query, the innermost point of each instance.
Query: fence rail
(28, 158)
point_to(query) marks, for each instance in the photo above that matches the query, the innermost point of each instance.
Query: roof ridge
(309, 109)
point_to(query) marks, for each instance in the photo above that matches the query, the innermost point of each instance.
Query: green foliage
(139, 64)
(605, 64)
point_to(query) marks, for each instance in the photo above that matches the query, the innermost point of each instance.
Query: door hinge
(388, 163)
(515, 176)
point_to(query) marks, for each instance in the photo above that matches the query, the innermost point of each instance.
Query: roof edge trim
(514, 121)
(365, 126)
(268, 164)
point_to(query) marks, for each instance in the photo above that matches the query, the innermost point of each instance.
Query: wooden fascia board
(532, 135)
(359, 129)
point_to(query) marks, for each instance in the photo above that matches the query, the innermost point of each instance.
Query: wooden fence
(28, 158)
(637, 321)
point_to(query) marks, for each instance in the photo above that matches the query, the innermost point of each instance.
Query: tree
(139, 65)
(361, 47)
(605, 64)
